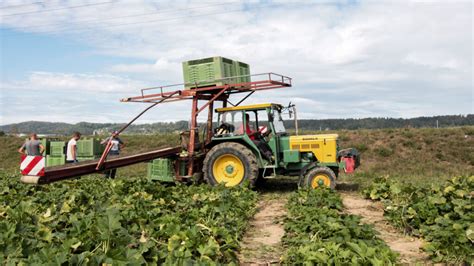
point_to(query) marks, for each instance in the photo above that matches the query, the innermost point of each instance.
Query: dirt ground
(372, 213)
(261, 244)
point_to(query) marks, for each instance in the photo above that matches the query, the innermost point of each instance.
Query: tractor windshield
(278, 122)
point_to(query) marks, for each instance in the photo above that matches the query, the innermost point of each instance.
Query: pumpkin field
(423, 192)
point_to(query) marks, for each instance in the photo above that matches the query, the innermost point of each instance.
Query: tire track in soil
(372, 213)
(261, 244)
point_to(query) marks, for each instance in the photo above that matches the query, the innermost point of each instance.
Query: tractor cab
(250, 120)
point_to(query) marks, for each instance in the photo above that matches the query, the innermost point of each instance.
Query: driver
(248, 130)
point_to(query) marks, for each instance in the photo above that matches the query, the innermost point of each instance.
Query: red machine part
(350, 164)
(32, 165)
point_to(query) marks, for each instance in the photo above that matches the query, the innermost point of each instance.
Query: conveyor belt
(58, 173)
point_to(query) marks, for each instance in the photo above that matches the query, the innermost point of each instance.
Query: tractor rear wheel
(231, 164)
(320, 177)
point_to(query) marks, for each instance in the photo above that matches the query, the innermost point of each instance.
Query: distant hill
(304, 124)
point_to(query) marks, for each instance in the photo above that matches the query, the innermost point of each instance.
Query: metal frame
(264, 81)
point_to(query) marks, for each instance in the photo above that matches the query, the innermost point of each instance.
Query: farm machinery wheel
(230, 163)
(320, 177)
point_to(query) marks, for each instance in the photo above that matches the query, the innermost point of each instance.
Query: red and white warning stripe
(32, 165)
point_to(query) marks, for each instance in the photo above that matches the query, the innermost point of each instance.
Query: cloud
(76, 83)
(389, 58)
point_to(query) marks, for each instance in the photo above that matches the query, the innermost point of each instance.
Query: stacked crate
(242, 69)
(161, 169)
(45, 142)
(89, 149)
(213, 71)
(56, 153)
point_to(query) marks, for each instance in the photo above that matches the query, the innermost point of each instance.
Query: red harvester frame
(264, 81)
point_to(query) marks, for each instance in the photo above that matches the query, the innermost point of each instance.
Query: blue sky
(72, 61)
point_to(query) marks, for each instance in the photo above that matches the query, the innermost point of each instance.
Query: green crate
(87, 158)
(208, 72)
(45, 143)
(242, 69)
(161, 170)
(57, 148)
(89, 147)
(55, 160)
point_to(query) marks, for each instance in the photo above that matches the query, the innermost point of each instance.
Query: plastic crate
(45, 143)
(89, 147)
(208, 72)
(161, 170)
(55, 160)
(242, 69)
(87, 158)
(57, 148)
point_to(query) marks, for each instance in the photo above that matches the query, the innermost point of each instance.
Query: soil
(372, 213)
(261, 244)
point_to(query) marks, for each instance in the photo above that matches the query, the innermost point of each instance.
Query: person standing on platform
(71, 152)
(117, 145)
(32, 146)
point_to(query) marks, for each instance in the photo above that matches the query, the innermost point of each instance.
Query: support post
(192, 136)
(209, 122)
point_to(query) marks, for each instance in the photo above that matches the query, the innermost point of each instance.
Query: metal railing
(230, 81)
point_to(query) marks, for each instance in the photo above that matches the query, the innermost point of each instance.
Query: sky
(72, 61)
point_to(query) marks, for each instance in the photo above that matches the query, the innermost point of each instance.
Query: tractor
(251, 142)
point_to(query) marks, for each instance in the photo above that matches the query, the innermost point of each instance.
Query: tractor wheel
(230, 163)
(320, 177)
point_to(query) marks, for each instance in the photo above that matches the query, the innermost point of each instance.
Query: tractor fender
(243, 142)
(303, 171)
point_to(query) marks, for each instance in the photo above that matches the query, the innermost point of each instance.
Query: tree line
(55, 128)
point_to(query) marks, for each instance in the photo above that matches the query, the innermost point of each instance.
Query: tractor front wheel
(320, 177)
(231, 164)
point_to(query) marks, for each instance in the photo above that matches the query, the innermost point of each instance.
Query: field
(418, 182)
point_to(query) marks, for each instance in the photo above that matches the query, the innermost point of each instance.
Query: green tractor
(251, 142)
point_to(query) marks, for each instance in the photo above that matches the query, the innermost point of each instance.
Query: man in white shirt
(71, 152)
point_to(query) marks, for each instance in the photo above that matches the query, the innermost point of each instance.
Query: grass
(416, 155)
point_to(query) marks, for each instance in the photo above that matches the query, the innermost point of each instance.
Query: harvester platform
(57, 173)
(183, 91)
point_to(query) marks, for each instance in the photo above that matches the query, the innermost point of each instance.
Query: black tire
(244, 154)
(336, 171)
(325, 177)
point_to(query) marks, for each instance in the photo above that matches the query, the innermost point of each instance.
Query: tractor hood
(310, 138)
(323, 146)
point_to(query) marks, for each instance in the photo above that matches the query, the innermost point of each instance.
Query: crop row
(96, 221)
(318, 232)
(442, 214)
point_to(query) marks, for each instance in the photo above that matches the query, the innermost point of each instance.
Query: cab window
(235, 119)
(278, 122)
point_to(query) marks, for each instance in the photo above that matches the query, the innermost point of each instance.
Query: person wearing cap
(32, 146)
(117, 145)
